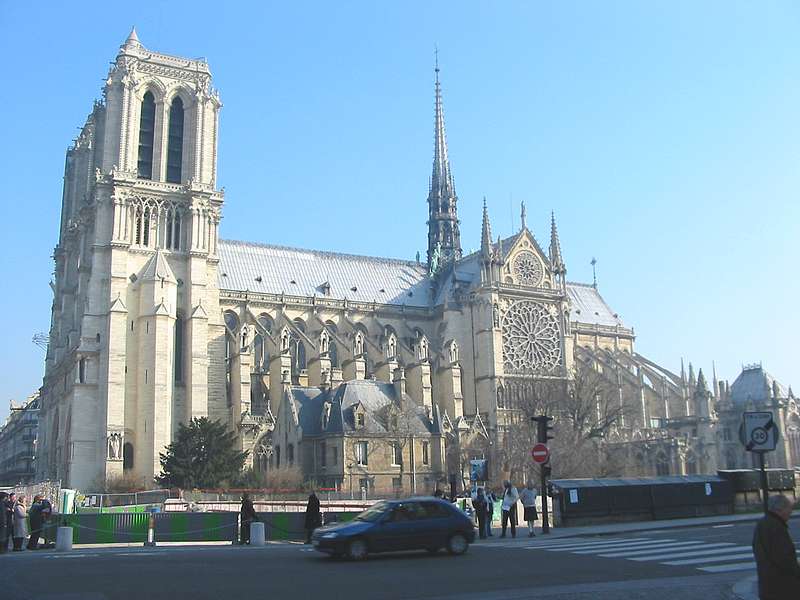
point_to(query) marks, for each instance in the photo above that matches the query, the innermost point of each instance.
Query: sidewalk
(746, 589)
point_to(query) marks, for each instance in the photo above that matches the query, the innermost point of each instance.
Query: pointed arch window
(173, 226)
(333, 354)
(175, 141)
(147, 128)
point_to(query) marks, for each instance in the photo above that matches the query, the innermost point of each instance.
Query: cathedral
(361, 372)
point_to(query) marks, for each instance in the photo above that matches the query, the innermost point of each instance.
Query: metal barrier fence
(126, 528)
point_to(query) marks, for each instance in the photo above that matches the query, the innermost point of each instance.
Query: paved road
(692, 563)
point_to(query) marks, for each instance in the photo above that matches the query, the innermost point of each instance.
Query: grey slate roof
(589, 307)
(755, 384)
(299, 272)
(375, 396)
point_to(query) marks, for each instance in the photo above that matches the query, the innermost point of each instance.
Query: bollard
(63, 539)
(151, 531)
(257, 534)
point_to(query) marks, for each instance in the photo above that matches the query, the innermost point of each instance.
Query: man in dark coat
(248, 515)
(313, 516)
(778, 571)
(38, 515)
(4, 530)
(8, 515)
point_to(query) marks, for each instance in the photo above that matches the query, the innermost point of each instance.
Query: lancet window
(175, 141)
(147, 128)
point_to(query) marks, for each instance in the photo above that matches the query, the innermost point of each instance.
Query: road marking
(729, 568)
(667, 550)
(720, 526)
(709, 549)
(591, 545)
(639, 548)
(708, 559)
(533, 544)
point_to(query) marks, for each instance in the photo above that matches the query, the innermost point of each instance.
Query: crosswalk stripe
(573, 542)
(709, 559)
(707, 550)
(729, 568)
(641, 548)
(610, 545)
(667, 550)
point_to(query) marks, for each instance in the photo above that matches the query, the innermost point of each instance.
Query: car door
(395, 532)
(438, 524)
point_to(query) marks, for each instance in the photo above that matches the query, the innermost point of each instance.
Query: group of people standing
(14, 519)
(483, 501)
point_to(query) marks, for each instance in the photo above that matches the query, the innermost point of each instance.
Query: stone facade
(156, 320)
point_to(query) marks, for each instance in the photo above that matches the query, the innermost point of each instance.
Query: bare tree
(586, 410)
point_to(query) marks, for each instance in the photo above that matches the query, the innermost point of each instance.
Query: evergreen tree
(203, 455)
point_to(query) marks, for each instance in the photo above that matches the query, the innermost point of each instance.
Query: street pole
(764, 485)
(545, 516)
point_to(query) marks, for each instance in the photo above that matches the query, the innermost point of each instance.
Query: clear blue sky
(665, 135)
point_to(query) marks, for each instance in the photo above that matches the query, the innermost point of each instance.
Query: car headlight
(329, 536)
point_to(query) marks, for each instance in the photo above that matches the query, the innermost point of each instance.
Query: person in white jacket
(528, 499)
(509, 507)
(20, 526)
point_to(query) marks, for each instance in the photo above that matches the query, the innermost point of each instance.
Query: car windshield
(373, 513)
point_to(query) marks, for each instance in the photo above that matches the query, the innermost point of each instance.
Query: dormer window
(360, 419)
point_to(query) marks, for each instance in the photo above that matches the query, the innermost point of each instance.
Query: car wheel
(457, 544)
(357, 550)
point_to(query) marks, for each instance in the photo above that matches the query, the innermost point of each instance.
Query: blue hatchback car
(395, 525)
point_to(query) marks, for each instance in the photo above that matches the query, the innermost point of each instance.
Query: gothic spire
(714, 380)
(702, 386)
(486, 233)
(132, 40)
(555, 248)
(443, 231)
(522, 216)
(692, 380)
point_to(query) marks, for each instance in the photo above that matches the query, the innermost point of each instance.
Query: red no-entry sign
(540, 453)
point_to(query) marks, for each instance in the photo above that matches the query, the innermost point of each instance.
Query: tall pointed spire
(555, 248)
(486, 233)
(714, 381)
(522, 215)
(702, 386)
(443, 230)
(132, 40)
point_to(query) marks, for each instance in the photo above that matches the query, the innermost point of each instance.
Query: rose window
(531, 338)
(528, 268)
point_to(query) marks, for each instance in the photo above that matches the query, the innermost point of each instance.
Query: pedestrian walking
(479, 505)
(490, 500)
(247, 515)
(313, 516)
(20, 524)
(4, 531)
(11, 499)
(528, 499)
(776, 560)
(38, 514)
(509, 507)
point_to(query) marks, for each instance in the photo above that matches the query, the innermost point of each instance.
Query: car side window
(434, 510)
(401, 513)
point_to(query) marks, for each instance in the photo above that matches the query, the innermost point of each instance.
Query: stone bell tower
(135, 310)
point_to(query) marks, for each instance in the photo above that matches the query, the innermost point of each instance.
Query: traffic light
(547, 470)
(543, 429)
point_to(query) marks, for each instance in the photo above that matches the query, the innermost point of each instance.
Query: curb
(746, 589)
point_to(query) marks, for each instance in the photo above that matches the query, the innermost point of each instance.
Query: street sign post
(759, 433)
(540, 454)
